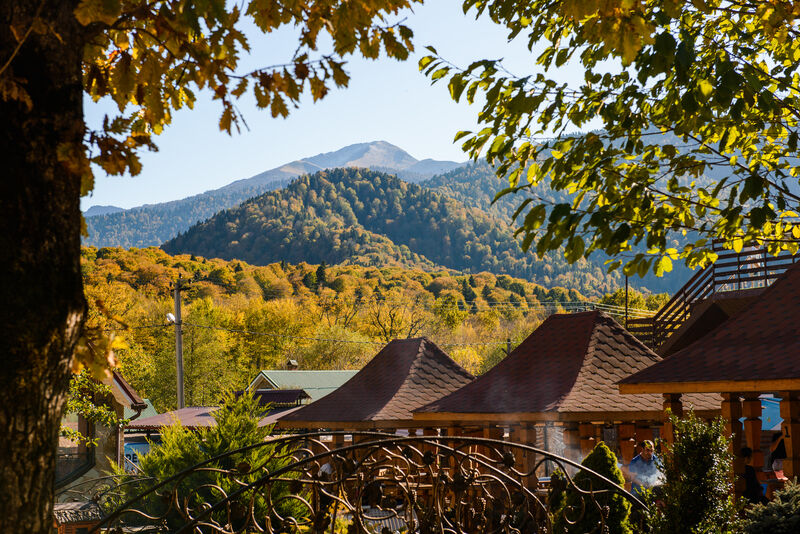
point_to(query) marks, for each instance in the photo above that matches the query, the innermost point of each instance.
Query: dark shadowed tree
(150, 57)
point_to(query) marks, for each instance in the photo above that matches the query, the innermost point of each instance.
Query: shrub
(697, 494)
(236, 427)
(780, 516)
(602, 461)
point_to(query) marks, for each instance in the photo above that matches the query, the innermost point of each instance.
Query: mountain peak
(101, 210)
(373, 154)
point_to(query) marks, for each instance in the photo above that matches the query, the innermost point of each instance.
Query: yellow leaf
(706, 88)
(737, 243)
(106, 11)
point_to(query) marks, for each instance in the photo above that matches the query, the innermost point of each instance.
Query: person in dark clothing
(753, 491)
(777, 452)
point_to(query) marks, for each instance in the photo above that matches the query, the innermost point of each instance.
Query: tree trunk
(41, 295)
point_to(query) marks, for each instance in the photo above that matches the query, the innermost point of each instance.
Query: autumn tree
(399, 314)
(698, 105)
(150, 57)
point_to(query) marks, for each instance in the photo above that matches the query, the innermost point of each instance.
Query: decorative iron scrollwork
(378, 484)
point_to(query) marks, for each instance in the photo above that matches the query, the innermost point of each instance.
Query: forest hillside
(241, 318)
(152, 224)
(370, 218)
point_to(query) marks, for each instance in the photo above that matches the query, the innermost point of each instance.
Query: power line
(282, 336)
(330, 340)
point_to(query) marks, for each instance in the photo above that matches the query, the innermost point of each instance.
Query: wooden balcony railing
(749, 269)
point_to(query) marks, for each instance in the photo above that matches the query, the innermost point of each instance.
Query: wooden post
(528, 437)
(732, 413)
(453, 431)
(643, 432)
(673, 404)
(626, 433)
(572, 441)
(790, 413)
(587, 431)
(751, 410)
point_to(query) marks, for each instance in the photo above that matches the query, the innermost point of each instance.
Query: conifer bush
(604, 462)
(779, 516)
(697, 494)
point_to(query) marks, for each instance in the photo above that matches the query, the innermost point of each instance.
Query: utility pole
(179, 285)
(508, 346)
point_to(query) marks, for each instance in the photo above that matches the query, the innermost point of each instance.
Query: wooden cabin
(756, 351)
(405, 375)
(557, 391)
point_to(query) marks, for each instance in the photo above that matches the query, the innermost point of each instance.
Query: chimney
(292, 365)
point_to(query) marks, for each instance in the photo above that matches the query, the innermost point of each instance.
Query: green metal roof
(147, 412)
(316, 383)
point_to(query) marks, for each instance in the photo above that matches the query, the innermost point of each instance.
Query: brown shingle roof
(761, 343)
(190, 417)
(403, 376)
(706, 316)
(569, 365)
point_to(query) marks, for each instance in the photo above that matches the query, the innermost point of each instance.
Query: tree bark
(41, 292)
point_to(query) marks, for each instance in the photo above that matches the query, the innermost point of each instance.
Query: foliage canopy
(697, 102)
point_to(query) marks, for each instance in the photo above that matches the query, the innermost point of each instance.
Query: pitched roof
(190, 417)
(278, 397)
(706, 315)
(130, 396)
(195, 417)
(756, 348)
(316, 383)
(404, 375)
(76, 512)
(569, 365)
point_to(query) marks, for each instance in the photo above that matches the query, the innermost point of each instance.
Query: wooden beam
(588, 438)
(446, 418)
(481, 418)
(349, 425)
(720, 386)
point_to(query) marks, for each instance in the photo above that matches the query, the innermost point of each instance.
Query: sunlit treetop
(698, 104)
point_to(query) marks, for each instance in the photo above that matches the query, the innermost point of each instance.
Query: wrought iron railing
(378, 483)
(750, 269)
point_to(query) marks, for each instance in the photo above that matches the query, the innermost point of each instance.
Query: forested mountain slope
(153, 224)
(354, 215)
(476, 185)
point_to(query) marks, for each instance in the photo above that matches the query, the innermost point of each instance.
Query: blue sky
(386, 100)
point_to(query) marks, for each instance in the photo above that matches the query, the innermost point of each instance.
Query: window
(73, 459)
